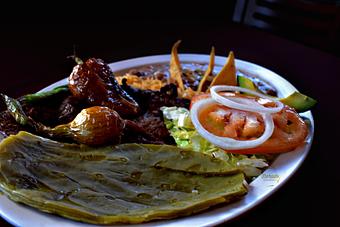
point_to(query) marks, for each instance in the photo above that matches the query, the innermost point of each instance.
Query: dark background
(33, 54)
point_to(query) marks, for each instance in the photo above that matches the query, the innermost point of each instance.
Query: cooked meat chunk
(69, 108)
(152, 119)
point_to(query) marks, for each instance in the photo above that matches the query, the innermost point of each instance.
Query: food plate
(261, 188)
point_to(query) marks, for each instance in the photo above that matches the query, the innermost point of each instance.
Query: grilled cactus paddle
(128, 183)
(96, 125)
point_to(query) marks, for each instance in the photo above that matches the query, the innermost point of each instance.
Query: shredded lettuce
(178, 122)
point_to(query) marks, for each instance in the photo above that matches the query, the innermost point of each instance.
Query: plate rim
(252, 68)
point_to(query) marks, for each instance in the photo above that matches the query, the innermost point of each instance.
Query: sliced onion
(225, 142)
(242, 104)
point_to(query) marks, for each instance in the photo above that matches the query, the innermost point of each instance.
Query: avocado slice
(299, 102)
(246, 83)
(296, 100)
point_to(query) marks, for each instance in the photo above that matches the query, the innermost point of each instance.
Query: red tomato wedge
(290, 130)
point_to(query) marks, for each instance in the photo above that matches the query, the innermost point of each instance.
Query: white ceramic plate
(260, 189)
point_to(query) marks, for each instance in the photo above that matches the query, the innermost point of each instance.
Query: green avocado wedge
(127, 183)
(245, 82)
(299, 102)
(296, 100)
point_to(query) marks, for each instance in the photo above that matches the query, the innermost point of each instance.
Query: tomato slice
(290, 130)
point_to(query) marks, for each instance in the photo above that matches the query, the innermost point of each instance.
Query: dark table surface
(34, 56)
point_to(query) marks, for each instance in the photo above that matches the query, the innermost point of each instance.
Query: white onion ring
(229, 101)
(225, 142)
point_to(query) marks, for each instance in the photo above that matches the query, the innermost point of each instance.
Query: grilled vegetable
(32, 98)
(15, 109)
(92, 126)
(128, 183)
(94, 82)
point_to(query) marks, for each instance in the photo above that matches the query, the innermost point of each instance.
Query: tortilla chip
(175, 67)
(209, 71)
(227, 76)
